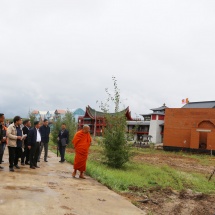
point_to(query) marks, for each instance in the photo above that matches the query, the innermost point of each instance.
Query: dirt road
(52, 190)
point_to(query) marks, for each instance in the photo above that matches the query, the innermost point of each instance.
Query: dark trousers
(34, 153)
(2, 148)
(14, 154)
(62, 150)
(18, 154)
(45, 146)
(11, 151)
(26, 155)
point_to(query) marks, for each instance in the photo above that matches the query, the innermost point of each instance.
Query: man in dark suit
(45, 132)
(34, 141)
(1, 134)
(26, 153)
(3, 142)
(63, 140)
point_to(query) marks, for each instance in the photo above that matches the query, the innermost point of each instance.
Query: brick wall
(181, 126)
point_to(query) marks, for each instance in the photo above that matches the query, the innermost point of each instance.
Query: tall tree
(116, 149)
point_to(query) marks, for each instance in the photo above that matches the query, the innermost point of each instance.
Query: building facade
(154, 121)
(190, 128)
(52, 116)
(96, 120)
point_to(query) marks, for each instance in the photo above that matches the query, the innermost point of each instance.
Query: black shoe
(17, 167)
(37, 166)
(32, 167)
(2, 161)
(23, 164)
(1, 167)
(26, 163)
(45, 161)
(11, 170)
(38, 161)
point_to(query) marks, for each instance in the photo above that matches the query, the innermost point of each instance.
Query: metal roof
(203, 104)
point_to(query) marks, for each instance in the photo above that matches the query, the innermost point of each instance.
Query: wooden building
(96, 120)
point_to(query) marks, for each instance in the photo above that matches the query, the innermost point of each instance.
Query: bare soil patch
(176, 161)
(169, 202)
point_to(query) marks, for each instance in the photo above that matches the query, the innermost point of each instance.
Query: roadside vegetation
(143, 175)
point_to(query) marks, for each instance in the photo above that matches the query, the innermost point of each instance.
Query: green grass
(144, 175)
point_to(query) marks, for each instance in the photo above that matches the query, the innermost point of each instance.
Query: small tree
(116, 149)
(32, 118)
(55, 130)
(71, 125)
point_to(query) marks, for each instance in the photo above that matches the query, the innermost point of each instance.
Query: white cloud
(62, 54)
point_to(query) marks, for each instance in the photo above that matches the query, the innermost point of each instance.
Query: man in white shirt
(34, 141)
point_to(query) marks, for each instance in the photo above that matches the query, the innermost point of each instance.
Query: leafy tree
(55, 130)
(32, 118)
(71, 125)
(116, 149)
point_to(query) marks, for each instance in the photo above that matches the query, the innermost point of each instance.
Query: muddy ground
(167, 201)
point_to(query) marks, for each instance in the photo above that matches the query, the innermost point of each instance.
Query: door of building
(203, 136)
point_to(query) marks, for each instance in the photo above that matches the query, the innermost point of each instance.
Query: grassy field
(142, 175)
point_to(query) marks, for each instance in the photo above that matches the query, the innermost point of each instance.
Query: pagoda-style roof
(162, 108)
(203, 104)
(92, 113)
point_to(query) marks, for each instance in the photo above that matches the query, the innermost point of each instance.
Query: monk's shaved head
(86, 128)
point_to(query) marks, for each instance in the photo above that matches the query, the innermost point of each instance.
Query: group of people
(26, 143)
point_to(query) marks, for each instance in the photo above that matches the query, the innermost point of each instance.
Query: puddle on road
(33, 189)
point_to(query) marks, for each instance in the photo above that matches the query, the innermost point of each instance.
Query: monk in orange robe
(81, 142)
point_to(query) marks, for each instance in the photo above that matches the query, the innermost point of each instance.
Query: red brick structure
(190, 128)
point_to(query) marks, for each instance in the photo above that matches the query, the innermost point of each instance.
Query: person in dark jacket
(34, 141)
(1, 133)
(63, 140)
(3, 142)
(26, 153)
(45, 132)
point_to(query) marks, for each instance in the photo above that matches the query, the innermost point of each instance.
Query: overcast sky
(62, 54)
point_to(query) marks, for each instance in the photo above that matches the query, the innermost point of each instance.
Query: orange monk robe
(81, 143)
